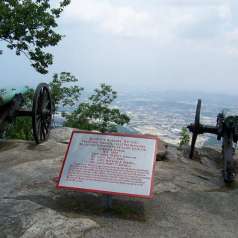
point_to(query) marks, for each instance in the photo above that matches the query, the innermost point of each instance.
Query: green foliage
(28, 27)
(184, 137)
(64, 91)
(20, 129)
(96, 113)
(28, 97)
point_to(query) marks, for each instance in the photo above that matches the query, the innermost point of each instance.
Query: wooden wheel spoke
(45, 103)
(45, 126)
(45, 106)
(38, 117)
(43, 131)
(39, 131)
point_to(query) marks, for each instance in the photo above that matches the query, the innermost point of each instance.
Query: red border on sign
(108, 192)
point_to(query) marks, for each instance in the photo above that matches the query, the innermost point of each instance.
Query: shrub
(184, 137)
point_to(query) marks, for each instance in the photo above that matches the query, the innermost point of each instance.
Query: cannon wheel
(196, 127)
(229, 171)
(41, 113)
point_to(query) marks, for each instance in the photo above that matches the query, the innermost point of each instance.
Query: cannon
(226, 129)
(11, 106)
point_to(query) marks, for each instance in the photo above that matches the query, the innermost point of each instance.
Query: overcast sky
(141, 44)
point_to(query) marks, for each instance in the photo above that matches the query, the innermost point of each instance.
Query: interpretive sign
(120, 164)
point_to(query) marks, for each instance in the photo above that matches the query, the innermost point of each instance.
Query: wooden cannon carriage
(226, 130)
(11, 106)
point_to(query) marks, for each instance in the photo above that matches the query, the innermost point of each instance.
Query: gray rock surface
(61, 135)
(190, 199)
(29, 207)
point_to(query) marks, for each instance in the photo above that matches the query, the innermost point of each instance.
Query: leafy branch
(27, 27)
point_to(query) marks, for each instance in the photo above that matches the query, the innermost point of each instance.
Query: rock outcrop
(29, 203)
(190, 200)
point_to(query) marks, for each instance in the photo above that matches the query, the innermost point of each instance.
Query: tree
(64, 91)
(28, 27)
(97, 113)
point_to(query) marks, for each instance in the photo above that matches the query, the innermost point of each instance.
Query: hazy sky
(141, 44)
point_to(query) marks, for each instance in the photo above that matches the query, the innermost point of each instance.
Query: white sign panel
(120, 164)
